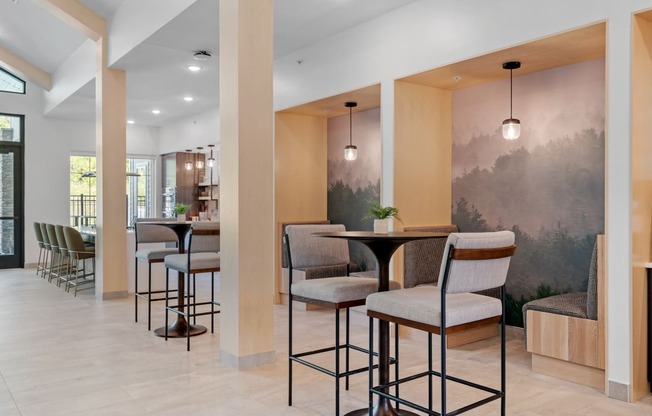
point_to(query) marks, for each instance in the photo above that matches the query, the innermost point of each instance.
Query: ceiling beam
(25, 69)
(77, 16)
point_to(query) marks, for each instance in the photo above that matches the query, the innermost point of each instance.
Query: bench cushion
(569, 304)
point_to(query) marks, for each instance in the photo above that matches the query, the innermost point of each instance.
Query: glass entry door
(11, 192)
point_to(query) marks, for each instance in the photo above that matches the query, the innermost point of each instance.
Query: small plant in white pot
(381, 216)
(180, 209)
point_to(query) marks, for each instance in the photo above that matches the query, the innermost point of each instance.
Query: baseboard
(619, 391)
(119, 294)
(247, 361)
(566, 370)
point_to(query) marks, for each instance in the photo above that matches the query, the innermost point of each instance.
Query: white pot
(181, 217)
(381, 226)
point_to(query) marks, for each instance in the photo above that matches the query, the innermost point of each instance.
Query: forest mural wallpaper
(547, 186)
(351, 184)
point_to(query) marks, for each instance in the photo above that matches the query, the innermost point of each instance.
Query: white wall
(187, 133)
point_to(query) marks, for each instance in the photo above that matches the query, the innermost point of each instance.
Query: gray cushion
(198, 261)
(423, 258)
(338, 289)
(320, 272)
(423, 304)
(153, 254)
(569, 304)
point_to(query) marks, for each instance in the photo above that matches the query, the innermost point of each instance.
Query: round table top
(392, 235)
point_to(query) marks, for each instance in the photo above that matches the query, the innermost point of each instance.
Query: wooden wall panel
(642, 197)
(300, 157)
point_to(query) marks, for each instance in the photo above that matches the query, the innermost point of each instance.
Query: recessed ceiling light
(194, 68)
(156, 111)
(188, 98)
(130, 122)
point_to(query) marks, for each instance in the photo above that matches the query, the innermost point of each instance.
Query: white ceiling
(157, 75)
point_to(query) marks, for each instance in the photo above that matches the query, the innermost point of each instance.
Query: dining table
(383, 247)
(180, 326)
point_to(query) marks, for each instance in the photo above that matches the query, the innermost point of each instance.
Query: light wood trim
(576, 373)
(470, 335)
(602, 303)
(25, 69)
(483, 254)
(562, 49)
(367, 98)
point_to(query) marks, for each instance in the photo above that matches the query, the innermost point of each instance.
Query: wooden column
(246, 182)
(110, 143)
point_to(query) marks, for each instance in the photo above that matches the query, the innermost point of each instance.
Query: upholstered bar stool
(306, 251)
(79, 253)
(202, 256)
(64, 257)
(41, 247)
(151, 233)
(472, 262)
(56, 254)
(48, 250)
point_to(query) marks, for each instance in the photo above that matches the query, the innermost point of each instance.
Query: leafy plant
(380, 212)
(181, 208)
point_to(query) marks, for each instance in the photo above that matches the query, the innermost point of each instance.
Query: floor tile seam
(10, 393)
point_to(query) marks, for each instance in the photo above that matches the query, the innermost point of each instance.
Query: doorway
(12, 218)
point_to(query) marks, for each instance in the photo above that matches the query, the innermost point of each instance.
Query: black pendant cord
(350, 126)
(511, 93)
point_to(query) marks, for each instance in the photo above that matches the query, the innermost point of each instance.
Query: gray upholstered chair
(202, 256)
(423, 258)
(473, 262)
(55, 261)
(309, 253)
(41, 247)
(64, 256)
(48, 250)
(78, 254)
(151, 233)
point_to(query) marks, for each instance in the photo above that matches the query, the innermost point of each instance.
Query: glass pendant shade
(350, 152)
(200, 164)
(511, 128)
(211, 162)
(188, 165)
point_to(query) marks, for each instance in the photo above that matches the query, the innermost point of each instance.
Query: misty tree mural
(352, 183)
(547, 186)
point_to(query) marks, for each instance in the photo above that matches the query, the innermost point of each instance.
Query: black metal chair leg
(396, 388)
(188, 310)
(136, 292)
(212, 302)
(442, 341)
(429, 371)
(503, 384)
(167, 290)
(290, 350)
(371, 365)
(348, 341)
(194, 304)
(149, 297)
(337, 362)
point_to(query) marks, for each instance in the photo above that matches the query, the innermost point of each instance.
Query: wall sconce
(211, 159)
(200, 161)
(511, 126)
(350, 151)
(188, 165)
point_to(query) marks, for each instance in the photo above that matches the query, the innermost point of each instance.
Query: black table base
(386, 411)
(178, 330)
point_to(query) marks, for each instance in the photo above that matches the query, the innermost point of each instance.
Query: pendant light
(188, 165)
(350, 151)
(200, 158)
(211, 159)
(511, 126)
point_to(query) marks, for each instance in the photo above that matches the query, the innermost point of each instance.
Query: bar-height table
(383, 247)
(179, 327)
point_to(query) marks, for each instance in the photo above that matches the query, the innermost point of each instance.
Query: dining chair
(202, 256)
(306, 251)
(41, 247)
(64, 257)
(79, 253)
(471, 262)
(151, 233)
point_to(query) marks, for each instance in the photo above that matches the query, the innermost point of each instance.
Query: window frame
(18, 78)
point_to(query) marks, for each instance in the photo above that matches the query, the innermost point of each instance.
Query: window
(11, 83)
(139, 196)
(10, 127)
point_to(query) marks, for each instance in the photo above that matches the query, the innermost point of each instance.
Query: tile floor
(61, 355)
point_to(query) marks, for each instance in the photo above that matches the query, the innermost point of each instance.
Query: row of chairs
(471, 262)
(62, 257)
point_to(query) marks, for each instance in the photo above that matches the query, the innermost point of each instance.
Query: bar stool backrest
(52, 236)
(150, 233)
(475, 275)
(39, 235)
(306, 250)
(201, 242)
(61, 239)
(44, 234)
(74, 240)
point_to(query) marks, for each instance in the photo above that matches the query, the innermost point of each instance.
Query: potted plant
(381, 216)
(180, 209)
